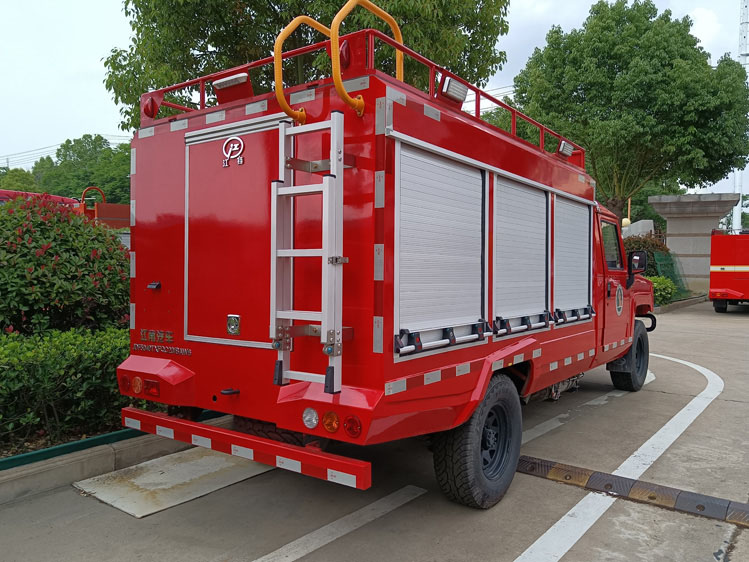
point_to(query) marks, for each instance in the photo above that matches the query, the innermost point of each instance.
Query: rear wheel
(190, 413)
(638, 357)
(270, 430)
(475, 462)
(720, 306)
(267, 430)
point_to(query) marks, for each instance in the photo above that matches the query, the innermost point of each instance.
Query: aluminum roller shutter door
(440, 242)
(520, 256)
(571, 254)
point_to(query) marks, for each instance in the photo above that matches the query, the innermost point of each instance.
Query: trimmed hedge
(60, 384)
(646, 243)
(664, 290)
(59, 269)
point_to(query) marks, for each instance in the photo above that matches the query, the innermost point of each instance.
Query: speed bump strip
(610, 484)
(570, 474)
(654, 494)
(534, 466)
(738, 513)
(699, 504)
(637, 490)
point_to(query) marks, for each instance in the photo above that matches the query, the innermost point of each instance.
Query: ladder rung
(301, 189)
(300, 253)
(302, 376)
(310, 316)
(309, 128)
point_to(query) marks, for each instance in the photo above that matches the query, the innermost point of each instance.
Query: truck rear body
(729, 267)
(466, 250)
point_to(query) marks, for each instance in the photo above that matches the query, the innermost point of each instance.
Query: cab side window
(611, 248)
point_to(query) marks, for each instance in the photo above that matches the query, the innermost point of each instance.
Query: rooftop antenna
(738, 179)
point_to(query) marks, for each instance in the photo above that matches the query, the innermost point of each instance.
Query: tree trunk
(616, 206)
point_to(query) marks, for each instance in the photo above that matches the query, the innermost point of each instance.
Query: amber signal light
(331, 422)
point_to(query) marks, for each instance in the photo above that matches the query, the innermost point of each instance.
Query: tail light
(352, 425)
(137, 385)
(330, 421)
(152, 388)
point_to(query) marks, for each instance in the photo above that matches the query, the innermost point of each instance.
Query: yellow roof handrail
(335, 55)
(300, 115)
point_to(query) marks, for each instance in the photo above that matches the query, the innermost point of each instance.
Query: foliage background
(638, 92)
(78, 163)
(174, 40)
(60, 384)
(59, 270)
(646, 243)
(664, 290)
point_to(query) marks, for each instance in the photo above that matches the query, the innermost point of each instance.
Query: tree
(89, 160)
(638, 92)
(16, 179)
(179, 39)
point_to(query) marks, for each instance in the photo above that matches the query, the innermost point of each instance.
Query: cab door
(616, 294)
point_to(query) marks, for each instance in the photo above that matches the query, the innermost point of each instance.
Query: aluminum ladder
(326, 323)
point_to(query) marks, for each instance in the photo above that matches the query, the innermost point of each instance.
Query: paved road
(592, 428)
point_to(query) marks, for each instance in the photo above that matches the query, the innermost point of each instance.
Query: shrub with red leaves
(59, 270)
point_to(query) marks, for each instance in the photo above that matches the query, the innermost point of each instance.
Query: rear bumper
(309, 460)
(727, 294)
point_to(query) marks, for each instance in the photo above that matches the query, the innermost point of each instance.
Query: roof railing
(152, 101)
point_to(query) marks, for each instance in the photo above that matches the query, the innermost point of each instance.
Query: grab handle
(335, 55)
(300, 116)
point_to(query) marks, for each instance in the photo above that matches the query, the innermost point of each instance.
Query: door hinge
(337, 260)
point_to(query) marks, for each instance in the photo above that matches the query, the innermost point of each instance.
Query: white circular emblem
(233, 147)
(619, 300)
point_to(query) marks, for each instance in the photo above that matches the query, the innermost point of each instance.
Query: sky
(52, 51)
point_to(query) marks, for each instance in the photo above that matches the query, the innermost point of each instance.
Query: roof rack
(439, 79)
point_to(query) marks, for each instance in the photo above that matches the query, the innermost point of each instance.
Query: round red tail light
(352, 425)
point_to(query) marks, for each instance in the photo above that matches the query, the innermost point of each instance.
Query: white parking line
(561, 419)
(563, 535)
(335, 530)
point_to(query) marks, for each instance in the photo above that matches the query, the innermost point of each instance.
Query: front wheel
(475, 462)
(637, 358)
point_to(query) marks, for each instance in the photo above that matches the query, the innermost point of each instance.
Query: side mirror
(638, 262)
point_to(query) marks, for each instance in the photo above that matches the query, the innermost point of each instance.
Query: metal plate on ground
(169, 481)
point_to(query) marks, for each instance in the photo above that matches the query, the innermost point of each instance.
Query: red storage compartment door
(229, 169)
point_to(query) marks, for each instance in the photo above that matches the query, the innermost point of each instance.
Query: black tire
(476, 462)
(267, 430)
(720, 306)
(638, 357)
(190, 413)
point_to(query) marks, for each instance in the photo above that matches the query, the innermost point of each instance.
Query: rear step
(308, 460)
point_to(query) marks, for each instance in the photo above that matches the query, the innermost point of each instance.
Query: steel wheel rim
(495, 443)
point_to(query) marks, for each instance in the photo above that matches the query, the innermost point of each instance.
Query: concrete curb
(680, 304)
(42, 476)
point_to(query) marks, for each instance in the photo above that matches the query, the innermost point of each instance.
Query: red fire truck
(356, 259)
(729, 268)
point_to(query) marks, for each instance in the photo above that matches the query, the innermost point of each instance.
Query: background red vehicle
(729, 268)
(8, 194)
(362, 261)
